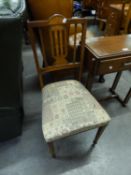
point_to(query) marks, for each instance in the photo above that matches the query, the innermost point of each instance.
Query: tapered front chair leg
(51, 149)
(98, 134)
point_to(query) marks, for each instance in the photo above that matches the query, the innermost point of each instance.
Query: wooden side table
(106, 55)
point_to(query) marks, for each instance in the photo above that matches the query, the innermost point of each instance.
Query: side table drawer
(114, 65)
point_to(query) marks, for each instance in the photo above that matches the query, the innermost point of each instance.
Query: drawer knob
(110, 67)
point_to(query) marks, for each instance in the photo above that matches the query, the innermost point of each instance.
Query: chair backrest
(58, 28)
(113, 22)
(102, 9)
(41, 9)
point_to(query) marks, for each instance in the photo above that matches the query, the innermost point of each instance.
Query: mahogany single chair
(68, 107)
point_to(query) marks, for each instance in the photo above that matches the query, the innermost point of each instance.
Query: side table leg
(117, 78)
(112, 89)
(125, 101)
(101, 79)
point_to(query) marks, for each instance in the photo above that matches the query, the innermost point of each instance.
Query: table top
(109, 46)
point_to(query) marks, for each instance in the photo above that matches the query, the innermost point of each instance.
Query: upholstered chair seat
(68, 108)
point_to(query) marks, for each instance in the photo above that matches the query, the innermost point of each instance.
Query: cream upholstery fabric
(68, 108)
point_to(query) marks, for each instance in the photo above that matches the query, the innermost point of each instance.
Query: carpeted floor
(28, 154)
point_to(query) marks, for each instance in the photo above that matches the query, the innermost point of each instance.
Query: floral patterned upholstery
(68, 108)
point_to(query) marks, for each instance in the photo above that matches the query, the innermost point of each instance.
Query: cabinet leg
(117, 78)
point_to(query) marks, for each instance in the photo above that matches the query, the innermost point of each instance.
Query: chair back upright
(58, 29)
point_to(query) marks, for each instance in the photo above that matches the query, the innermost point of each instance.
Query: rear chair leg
(98, 134)
(51, 149)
